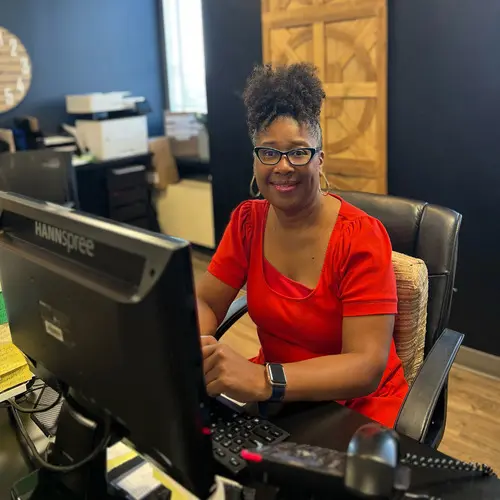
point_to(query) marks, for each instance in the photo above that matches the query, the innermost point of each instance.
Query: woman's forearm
(338, 377)
(207, 320)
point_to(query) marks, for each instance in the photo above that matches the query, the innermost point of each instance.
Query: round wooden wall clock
(15, 71)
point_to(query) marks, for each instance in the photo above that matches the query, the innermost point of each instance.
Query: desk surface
(328, 425)
(332, 426)
(13, 463)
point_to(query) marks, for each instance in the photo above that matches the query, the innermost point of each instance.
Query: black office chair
(428, 232)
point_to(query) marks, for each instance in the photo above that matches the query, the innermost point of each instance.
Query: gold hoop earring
(326, 190)
(254, 194)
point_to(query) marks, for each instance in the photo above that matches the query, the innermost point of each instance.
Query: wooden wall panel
(347, 41)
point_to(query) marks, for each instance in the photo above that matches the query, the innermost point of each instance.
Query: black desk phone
(371, 468)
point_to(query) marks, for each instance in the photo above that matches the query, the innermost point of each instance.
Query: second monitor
(41, 174)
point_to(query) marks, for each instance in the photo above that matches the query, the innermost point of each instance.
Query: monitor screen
(43, 174)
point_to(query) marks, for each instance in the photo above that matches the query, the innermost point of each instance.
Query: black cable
(447, 464)
(34, 389)
(39, 396)
(22, 396)
(36, 410)
(62, 468)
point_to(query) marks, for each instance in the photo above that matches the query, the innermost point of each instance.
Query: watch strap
(277, 389)
(278, 393)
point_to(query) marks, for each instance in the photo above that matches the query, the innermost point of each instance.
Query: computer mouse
(372, 461)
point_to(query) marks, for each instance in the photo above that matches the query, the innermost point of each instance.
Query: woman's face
(285, 186)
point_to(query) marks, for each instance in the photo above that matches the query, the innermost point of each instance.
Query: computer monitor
(42, 174)
(110, 312)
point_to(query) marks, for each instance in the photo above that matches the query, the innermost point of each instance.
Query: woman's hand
(229, 373)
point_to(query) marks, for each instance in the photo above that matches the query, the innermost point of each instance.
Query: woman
(321, 287)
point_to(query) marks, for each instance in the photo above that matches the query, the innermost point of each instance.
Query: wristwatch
(277, 378)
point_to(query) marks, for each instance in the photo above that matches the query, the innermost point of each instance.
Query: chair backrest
(428, 232)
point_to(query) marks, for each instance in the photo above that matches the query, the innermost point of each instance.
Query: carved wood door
(347, 41)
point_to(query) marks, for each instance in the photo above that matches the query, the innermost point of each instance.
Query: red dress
(295, 323)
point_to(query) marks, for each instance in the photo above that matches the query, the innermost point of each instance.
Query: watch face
(277, 374)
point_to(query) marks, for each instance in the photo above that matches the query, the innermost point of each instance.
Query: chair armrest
(417, 411)
(236, 310)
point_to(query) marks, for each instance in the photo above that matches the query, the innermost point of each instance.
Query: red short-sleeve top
(295, 323)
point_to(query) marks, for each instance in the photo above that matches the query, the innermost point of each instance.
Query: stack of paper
(132, 474)
(14, 369)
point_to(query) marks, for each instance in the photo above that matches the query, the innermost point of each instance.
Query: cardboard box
(163, 162)
(188, 137)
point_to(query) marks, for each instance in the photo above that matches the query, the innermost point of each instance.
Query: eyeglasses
(297, 157)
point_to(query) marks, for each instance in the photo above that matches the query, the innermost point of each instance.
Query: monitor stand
(78, 434)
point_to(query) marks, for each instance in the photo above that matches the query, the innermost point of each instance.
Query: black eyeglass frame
(313, 151)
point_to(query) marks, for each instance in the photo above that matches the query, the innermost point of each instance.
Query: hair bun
(293, 90)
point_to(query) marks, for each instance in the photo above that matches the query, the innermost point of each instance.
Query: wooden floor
(473, 422)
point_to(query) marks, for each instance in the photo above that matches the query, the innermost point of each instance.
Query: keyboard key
(259, 431)
(247, 445)
(233, 431)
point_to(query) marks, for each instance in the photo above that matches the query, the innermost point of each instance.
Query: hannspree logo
(70, 241)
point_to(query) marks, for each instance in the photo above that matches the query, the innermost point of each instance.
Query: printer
(110, 125)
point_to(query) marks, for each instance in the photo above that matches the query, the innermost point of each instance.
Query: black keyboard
(233, 430)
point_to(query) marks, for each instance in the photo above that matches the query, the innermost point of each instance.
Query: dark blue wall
(86, 46)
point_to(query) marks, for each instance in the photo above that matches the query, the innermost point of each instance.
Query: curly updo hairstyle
(293, 91)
